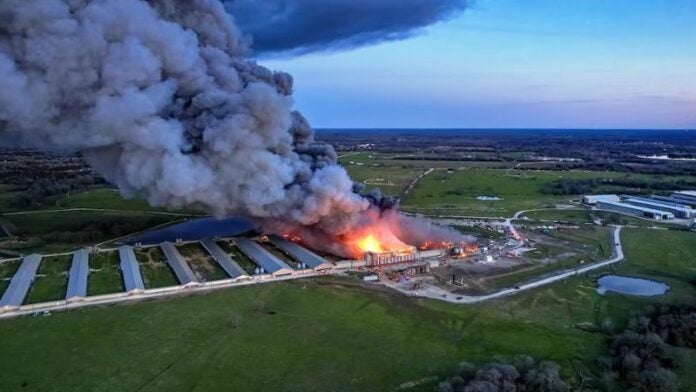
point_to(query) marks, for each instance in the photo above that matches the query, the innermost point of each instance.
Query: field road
(444, 295)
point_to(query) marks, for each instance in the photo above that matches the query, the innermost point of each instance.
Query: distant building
(679, 211)
(630, 209)
(593, 199)
(674, 201)
(687, 196)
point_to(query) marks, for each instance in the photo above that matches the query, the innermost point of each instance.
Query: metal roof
(226, 262)
(130, 269)
(660, 205)
(21, 281)
(77, 281)
(637, 208)
(681, 202)
(182, 270)
(299, 253)
(262, 257)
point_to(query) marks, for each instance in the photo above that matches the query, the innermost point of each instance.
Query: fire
(374, 239)
(370, 244)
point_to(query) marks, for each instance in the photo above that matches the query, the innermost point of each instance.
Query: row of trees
(522, 374)
(639, 357)
(628, 185)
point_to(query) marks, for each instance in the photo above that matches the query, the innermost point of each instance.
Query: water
(196, 229)
(631, 286)
(488, 198)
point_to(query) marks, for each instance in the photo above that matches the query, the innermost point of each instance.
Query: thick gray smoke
(160, 99)
(301, 26)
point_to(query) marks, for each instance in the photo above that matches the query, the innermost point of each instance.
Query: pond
(488, 198)
(196, 229)
(631, 286)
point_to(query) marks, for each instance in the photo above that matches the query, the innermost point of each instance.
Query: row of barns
(267, 264)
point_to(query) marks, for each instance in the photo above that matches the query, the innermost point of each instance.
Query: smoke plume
(160, 99)
(301, 26)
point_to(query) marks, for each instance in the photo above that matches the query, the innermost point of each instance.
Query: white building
(629, 209)
(593, 199)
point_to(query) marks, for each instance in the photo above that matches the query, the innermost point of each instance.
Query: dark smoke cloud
(301, 26)
(160, 98)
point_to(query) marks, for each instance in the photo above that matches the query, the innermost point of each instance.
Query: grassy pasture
(154, 269)
(105, 274)
(330, 333)
(51, 281)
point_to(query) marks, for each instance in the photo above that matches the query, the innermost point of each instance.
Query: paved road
(444, 295)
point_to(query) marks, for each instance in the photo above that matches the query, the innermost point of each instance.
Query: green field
(106, 198)
(154, 269)
(105, 274)
(240, 258)
(443, 192)
(7, 271)
(51, 281)
(330, 333)
(202, 264)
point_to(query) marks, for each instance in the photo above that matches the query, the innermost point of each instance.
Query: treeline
(36, 176)
(523, 373)
(96, 231)
(640, 358)
(620, 185)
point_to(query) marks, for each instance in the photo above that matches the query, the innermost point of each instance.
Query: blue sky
(515, 64)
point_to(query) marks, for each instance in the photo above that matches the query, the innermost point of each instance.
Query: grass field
(7, 270)
(51, 281)
(455, 192)
(585, 216)
(240, 258)
(154, 269)
(102, 198)
(202, 264)
(105, 274)
(329, 333)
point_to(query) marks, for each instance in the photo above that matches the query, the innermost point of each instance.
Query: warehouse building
(131, 270)
(629, 209)
(302, 255)
(20, 283)
(679, 211)
(686, 196)
(77, 280)
(593, 199)
(263, 258)
(181, 269)
(674, 201)
(221, 257)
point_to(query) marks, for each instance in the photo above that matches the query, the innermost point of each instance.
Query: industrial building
(263, 258)
(380, 259)
(679, 211)
(634, 210)
(181, 269)
(130, 270)
(593, 199)
(77, 277)
(686, 196)
(221, 257)
(301, 254)
(674, 201)
(21, 281)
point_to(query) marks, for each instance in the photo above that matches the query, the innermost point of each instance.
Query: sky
(514, 64)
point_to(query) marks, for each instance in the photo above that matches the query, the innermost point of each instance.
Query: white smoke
(159, 98)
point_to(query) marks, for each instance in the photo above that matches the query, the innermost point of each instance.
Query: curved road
(444, 295)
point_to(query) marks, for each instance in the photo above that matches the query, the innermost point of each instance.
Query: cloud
(303, 26)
